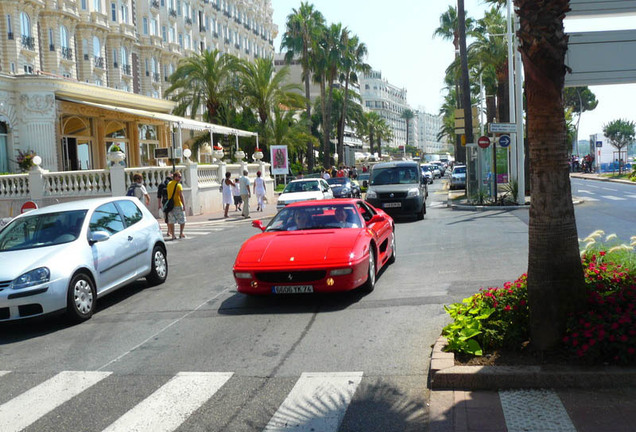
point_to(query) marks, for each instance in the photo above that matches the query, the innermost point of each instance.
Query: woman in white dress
(259, 191)
(228, 197)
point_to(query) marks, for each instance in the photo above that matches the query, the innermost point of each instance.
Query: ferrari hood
(299, 248)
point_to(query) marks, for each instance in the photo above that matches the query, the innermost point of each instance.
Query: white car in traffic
(304, 190)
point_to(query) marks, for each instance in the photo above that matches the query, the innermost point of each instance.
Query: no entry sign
(483, 142)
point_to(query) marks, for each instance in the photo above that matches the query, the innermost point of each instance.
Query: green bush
(498, 318)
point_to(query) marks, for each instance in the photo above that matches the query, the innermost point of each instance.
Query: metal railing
(99, 62)
(28, 42)
(67, 53)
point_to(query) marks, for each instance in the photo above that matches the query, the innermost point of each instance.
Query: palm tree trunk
(555, 275)
(325, 137)
(310, 145)
(341, 123)
(327, 125)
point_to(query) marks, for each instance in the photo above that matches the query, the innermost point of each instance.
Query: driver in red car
(345, 218)
(302, 220)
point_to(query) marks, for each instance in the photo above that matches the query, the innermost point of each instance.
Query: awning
(182, 122)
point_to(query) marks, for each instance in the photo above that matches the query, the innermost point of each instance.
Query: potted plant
(218, 152)
(239, 155)
(258, 154)
(115, 154)
(25, 160)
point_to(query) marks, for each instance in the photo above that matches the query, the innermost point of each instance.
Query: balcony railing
(125, 68)
(173, 13)
(28, 42)
(10, 35)
(67, 53)
(156, 77)
(237, 46)
(51, 47)
(188, 21)
(202, 29)
(99, 62)
(154, 4)
(227, 41)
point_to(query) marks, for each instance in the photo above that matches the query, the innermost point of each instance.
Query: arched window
(25, 24)
(97, 49)
(63, 37)
(124, 56)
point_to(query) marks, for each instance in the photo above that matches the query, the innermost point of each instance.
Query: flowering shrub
(25, 160)
(218, 147)
(257, 150)
(493, 318)
(605, 332)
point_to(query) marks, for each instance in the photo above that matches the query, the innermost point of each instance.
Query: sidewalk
(529, 398)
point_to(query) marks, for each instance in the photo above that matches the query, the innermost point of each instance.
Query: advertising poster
(280, 162)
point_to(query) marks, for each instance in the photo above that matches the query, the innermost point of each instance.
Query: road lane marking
(613, 198)
(317, 402)
(534, 410)
(168, 407)
(591, 199)
(585, 191)
(25, 409)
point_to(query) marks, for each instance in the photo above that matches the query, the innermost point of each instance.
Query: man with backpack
(137, 189)
(162, 197)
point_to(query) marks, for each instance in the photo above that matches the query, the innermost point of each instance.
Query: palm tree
(372, 122)
(204, 81)
(285, 129)
(352, 64)
(328, 66)
(490, 49)
(449, 30)
(304, 26)
(555, 276)
(263, 89)
(407, 115)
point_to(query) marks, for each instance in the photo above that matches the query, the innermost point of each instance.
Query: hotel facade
(79, 76)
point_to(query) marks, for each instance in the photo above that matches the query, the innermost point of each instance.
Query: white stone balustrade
(200, 185)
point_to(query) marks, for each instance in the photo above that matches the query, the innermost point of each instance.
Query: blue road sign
(504, 140)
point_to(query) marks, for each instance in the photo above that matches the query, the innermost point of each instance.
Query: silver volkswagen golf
(65, 256)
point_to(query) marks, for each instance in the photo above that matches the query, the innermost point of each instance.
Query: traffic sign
(483, 142)
(502, 127)
(599, 143)
(28, 206)
(504, 140)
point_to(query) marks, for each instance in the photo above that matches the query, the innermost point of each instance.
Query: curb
(444, 375)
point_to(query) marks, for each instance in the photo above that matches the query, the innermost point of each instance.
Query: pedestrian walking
(162, 198)
(244, 186)
(259, 191)
(236, 191)
(177, 214)
(228, 196)
(137, 189)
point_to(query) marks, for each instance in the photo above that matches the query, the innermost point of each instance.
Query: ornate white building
(67, 66)
(426, 127)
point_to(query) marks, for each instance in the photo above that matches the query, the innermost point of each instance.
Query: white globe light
(187, 153)
(37, 160)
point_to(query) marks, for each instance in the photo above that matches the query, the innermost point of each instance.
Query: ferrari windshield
(316, 217)
(39, 230)
(394, 175)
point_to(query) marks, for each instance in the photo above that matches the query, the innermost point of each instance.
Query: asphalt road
(194, 355)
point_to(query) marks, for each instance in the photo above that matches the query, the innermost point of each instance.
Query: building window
(124, 13)
(145, 25)
(97, 5)
(25, 24)
(164, 33)
(113, 11)
(148, 142)
(4, 155)
(97, 49)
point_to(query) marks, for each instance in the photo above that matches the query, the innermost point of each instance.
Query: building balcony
(98, 62)
(237, 46)
(67, 53)
(28, 42)
(172, 13)
(154, 4)
(99, 19)
(51, 47)
(126, 69)
(10, 35)
(156, 77)
(227, 41)
(188, 21)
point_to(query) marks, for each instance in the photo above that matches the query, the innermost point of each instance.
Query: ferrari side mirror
(376, 218)
(258, 224)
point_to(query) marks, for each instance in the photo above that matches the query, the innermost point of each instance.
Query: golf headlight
(413, 193)
(31, 278)
(371, 194)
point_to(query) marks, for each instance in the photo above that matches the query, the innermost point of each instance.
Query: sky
(399, 39)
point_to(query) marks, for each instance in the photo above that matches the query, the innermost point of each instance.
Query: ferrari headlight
(242, 275)
(371, 194)
(31, 278)
(413, 193)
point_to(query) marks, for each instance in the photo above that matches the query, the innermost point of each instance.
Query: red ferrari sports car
(317, 246)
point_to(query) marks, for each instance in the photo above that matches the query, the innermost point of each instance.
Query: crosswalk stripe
(26, 408)
(171, 404)
(317, 402)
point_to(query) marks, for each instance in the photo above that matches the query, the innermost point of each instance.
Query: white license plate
(293, 289)
(393, 204)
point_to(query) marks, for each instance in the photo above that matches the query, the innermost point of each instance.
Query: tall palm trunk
(555, 275)
(310, 145)
(326, 162)
(341, 123)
